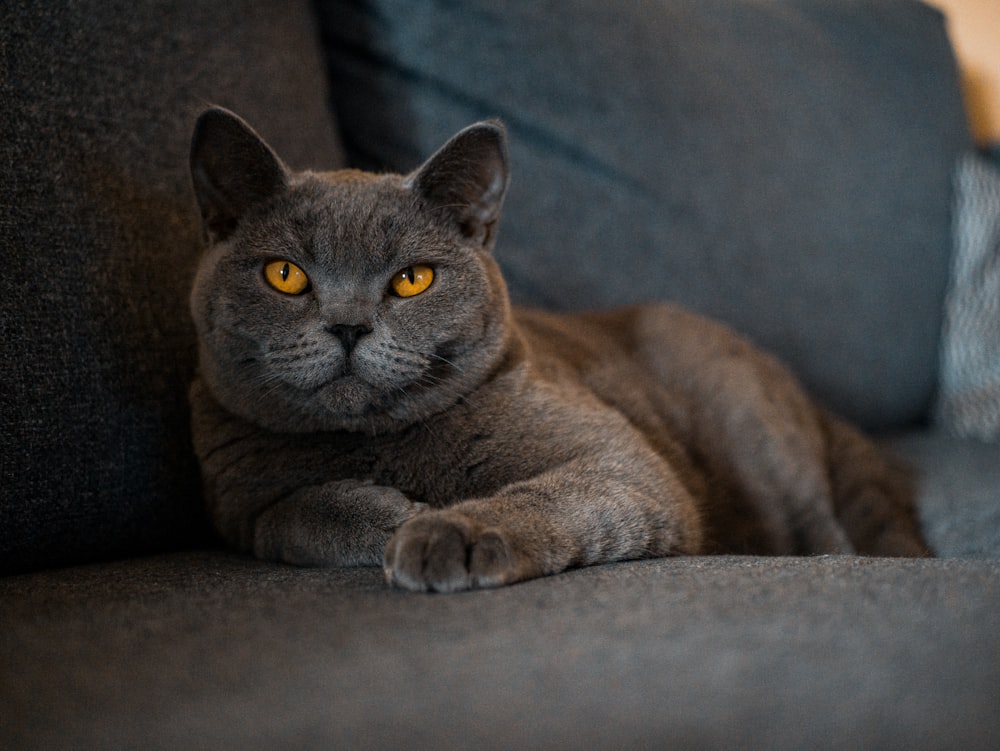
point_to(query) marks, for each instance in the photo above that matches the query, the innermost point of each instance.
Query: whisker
(436, 356)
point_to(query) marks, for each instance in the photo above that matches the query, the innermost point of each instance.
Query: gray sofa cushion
(959, 491)
(98, 235)
(217, 651)
(782, 166)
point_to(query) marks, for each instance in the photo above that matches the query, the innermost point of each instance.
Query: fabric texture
(99, 234)
(969, 400)
(218, 651)
(781, 166)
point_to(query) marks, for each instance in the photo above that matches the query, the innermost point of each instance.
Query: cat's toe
(447, 553)
(492, 562)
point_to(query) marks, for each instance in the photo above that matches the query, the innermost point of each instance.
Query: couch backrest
(783, 166)
(99, 235)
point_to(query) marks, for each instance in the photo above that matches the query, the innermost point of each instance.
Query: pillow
(969, 401)
(99, 235)
(783, 166)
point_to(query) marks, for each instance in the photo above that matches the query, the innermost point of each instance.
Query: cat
(367, 395)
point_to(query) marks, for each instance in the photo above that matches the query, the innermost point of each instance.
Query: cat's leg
(343, 523)
(753, 425)
(766, 437)
(836, 491)
(818, 484)
(873, 495)
(591, 510)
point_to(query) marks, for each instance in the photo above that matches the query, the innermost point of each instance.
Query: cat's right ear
(467, 180)
(232, 169)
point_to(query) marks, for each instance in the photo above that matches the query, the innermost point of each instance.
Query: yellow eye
(286, 277)
(412, 280)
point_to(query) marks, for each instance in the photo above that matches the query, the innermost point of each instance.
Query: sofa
(801, 169)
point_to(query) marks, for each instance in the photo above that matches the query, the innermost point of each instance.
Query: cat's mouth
(349, 395)
(358, 391)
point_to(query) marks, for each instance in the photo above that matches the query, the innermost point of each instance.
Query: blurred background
(974, 26)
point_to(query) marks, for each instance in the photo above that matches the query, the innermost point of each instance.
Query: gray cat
(367, 395)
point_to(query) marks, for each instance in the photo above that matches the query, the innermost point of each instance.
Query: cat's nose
(349, 334)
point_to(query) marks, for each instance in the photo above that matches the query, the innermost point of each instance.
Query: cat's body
(367, 395)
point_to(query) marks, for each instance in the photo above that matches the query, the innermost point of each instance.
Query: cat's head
(346, 300)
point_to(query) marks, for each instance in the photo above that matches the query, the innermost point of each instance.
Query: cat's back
(665, 367)
(629, 346)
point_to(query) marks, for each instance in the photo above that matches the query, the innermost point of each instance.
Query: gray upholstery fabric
(959, 491)
(783, 166)
(98, 235)
(216, 651)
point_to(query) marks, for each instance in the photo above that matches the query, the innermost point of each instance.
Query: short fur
(459, 442)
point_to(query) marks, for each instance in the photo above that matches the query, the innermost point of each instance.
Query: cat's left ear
(467, 180)
(232, 169)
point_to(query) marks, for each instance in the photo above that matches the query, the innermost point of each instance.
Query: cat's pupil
(410, 276)
(285, 271)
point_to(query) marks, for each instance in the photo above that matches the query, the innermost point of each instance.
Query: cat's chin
(350, 404)
(347, 403)
(347, 397)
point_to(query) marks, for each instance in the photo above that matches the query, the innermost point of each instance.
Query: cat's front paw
(446, 551)
(341, 523)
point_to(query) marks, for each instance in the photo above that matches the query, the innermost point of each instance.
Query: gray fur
(462, 443)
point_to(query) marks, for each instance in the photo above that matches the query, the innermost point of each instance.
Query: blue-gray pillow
(98, 238)
(783, 166)
(969, 400)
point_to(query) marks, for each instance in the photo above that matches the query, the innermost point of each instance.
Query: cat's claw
(448, 552)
